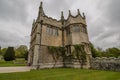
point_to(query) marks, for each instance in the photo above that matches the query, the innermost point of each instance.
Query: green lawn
(62, 74)
(17, 62)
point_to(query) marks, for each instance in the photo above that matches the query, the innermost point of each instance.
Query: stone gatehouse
(47, 31)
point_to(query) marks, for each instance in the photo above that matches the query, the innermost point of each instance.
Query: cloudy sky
(103, 19)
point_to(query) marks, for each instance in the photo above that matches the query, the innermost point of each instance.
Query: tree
(21, 51)
(0, 51)
(112, 52)
(10, 54)
(94, 51)
(3, 51)
(80, 54)
(26, 55)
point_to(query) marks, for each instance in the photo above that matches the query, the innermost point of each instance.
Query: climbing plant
(56, 53)
(63, 51)
(80, 54)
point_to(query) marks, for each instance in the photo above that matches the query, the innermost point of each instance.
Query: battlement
(58, 23)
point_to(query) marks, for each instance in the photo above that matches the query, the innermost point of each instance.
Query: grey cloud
(113, 12)
(13, 10)
(13, 23)
(54, 7)
(22, 12)
(8, 38)
(109, 33)
(109, 23)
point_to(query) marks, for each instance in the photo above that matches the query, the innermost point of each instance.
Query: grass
(62, 74)
(17, 62)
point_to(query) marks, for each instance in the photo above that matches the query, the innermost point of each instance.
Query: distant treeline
(12, 53)
(109, 52)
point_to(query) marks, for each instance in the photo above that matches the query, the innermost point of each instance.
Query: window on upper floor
(52, 31)
(47, 30)
(83, 28)
(55, 32)
(67, 31)
(76, 28)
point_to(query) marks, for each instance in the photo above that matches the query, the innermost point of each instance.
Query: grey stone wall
(106, 63)
(74, 63)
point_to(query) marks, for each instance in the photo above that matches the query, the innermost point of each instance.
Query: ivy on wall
(56, 52)
(80, 54)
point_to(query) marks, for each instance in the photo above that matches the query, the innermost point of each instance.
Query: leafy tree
(112, 52)
(10, 54)
(94, 51)
(3, 50)
(18, 54)
(0, 51)
(80, 54)
(26, 55)
(21, 51)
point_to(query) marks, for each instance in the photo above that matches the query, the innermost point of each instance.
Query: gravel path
(14, 69)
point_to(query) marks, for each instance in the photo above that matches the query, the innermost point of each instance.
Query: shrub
(9, 54)
(26, 55)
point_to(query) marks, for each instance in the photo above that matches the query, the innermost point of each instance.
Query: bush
(9, 54)
(26, 55)
(20, 52)
(0, 51)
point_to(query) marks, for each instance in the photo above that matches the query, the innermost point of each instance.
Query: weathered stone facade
(47, 31)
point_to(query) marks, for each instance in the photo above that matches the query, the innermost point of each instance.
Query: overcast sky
(103, 19)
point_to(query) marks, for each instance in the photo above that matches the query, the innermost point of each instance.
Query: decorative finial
(41, 4)
(84, 15)
(78, 11)
(62, 16)
(69, 12)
